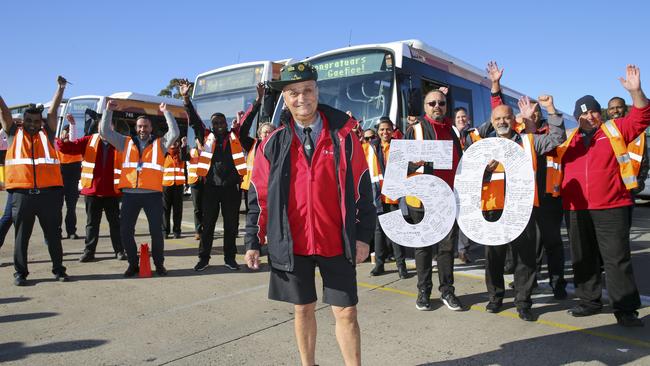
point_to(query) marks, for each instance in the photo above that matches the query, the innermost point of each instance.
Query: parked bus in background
(231, 89)
(391, 79)
(129, 106)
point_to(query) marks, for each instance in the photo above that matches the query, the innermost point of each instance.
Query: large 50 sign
(441, 205)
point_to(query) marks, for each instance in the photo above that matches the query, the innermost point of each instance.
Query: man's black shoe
(423, 303)
(120, 256)
(61, 276)
(628, 319)
(231, 264)
(132, 270)
(87, 257)
(73, 237)
(161, 270)
(403, 273)
(202, 265)
(452, 302)
(20, 280)
(493, 307)
(526, 314)
(378, 270)
(177, 235)
(581, 310)
(559, 293)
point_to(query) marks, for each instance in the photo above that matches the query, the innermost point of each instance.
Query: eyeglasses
(433, 103)
(368, 138)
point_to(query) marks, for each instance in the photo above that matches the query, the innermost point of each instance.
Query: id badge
(139, 167)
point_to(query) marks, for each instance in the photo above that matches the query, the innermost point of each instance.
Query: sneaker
(452, 302)
(231, 264)
(526, 314)
(628, 319)
(202, 265)
(378, 270)
(403, 273)
(73, 237)
(132, 270)
(61, 276)
(161, 270)
(493, 306)
(423, 303)
(464, 257)
(87, 257)
(120, 256)
(20, 280)
(581, 310)
(177, 235)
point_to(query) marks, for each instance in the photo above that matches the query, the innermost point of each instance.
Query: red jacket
(592, 179)
(102, 174)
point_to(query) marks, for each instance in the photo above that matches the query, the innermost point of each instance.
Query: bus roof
(243, 64)
(146, 98)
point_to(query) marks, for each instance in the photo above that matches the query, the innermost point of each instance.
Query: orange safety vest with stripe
(68, 158)
(192, 177)
(635, 149)
(89, 160)
(31, 162)
(625, 162)
(250, 160)
(236, 150)
(376, 175)
(142, 171)
(493, 191)
(173, 172)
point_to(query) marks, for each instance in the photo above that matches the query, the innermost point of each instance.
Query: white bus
(391, 79)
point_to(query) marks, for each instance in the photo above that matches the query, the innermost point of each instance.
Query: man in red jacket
(298, 170)
(98, 186)
(595, 193)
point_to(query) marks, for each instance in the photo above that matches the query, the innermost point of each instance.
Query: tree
(171, 90)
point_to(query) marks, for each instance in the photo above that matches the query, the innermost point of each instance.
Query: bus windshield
(227, 92)
(360, 82)
(77, 107)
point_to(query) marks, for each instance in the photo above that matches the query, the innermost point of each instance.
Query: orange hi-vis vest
(250, 160)
(192, 177)
(68, 158)
(376, 175)
(635, 149)
(88, 164)
(493, 191)
(142, 171)
(173, 174)
(236, 150)
(31, 162)
(626, 166)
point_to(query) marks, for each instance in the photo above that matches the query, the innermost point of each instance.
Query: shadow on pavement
(13, 351)
(28, 316)
(9, 300)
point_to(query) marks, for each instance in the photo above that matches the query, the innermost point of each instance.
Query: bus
(391, 79)
(231, 89)
(129, 106)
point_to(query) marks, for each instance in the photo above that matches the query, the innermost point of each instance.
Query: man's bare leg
(305, 328)
(348, 334)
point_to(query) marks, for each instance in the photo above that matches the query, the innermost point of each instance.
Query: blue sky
(565, 48)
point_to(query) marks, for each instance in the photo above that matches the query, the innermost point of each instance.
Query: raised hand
(493, 71)
(184, 86)
(632, 81)
(526, 107)
(260, 91)
(111, 105)
(444, 90)
(163, 107)
(546, 101)
(70, 118)
(61, 81)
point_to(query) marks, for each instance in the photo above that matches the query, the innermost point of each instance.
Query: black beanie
(586, 103)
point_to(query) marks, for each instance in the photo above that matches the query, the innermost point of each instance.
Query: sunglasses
(368, 138)
(441, 103)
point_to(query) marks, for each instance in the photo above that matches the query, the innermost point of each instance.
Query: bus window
(461, 97)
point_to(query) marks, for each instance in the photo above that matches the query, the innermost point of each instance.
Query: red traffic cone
(145, 263)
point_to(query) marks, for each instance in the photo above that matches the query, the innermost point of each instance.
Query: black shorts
(299, 287)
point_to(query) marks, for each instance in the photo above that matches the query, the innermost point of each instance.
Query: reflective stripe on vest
(142, 172)
(173, 175)
(635, 149)
(236, 150)
(22, 170)
(250, 160)
(554, 179)
(620, 151)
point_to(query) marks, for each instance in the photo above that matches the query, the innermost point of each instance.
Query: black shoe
(559, 293)
(628, 319)
(177, 235)
(87, 257)
(20, 280)
(526, 314)
(452, 302)
(161, 270)
(231, 264)
(494, 307)
(202, 265)
(168, 236)
(423, 303)
(581, 310)
(132, 270)
(120, 256)
(73, 237)
(378, 270)
(509, 270)
(61, 276)
(464, 257)
(403, 273)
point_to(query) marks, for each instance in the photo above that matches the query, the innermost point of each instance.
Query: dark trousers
(94, 208)
(382, 242)
(549, 239)
(608, 231)
(173, 199)
(227, 200)
(5, 220)
(445, 259)
(71, 174)
(132, 203)
(197, 201)
(25, 209)
(523, 252)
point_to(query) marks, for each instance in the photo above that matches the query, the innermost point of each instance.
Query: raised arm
(244, 131)
(494, 74)
(53, 113)
(195, 121)
(106, 131)
(172, 128)
(632, 83)
(5, 117)
(556, 134)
